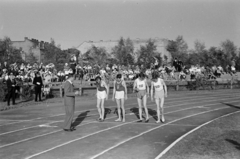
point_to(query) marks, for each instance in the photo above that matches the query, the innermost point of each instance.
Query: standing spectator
(37, 81)
(73, 64)
(175, 63)
(11, 84)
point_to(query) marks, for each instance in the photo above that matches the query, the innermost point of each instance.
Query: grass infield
(217, 140)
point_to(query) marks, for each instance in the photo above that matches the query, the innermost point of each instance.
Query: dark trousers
(37, 93)
(11, 94)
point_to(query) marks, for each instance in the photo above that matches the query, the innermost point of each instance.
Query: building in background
(137, 43)
(30, 48)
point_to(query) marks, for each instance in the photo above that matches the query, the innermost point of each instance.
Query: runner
(102, 94)
(119, 93)
(141, 87)
(160, 92)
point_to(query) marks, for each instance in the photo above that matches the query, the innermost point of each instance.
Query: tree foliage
(96, 55)
(124, 52)
(8, 52)
(148, 54)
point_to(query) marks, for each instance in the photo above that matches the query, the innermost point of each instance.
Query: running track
(35, 131)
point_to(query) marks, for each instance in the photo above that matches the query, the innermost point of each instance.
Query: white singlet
(141, 85)
(158, 85)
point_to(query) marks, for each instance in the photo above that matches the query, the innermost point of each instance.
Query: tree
(31, 59)
(147, 54)
(96, 55)
(178, 49)
(8, 52)
(199, 46)
(124, 52)
(229, 49)
(51, 53)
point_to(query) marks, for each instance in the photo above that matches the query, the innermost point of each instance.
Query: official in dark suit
(37, 81)
(69, 103)
(11, 86)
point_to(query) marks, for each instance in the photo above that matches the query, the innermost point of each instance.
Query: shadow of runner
(80, 118)
(235, 143)
(230, 105)
(135, 111)
(107, 111)
(153, 113)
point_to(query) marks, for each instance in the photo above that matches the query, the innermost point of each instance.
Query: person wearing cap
(69, 103)
(37, 81)
(11, 86)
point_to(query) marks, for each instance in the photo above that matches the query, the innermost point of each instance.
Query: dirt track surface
(35, 131)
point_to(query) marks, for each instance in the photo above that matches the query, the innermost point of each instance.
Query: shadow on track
(80, 118)
(230, 105)
(151, 112)
(235, 143)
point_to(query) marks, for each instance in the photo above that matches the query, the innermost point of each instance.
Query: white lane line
(71, 141)
(20, 141)
(97, 114)
(131, 138)
(217, 95)
(186, 134)
(183, 125)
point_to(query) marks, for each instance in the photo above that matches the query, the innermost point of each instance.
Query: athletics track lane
(102, 139)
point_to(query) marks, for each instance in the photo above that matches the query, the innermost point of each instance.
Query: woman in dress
(160, 93)
(120, 93)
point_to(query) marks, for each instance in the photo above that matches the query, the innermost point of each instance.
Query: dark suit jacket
(38, 79)
(10, 83)
(69, 94)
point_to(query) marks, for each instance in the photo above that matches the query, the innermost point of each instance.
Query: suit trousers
(69, 116)
(38, 93)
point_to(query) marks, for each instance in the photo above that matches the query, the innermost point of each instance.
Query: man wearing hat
(69, 103)
(11, 86)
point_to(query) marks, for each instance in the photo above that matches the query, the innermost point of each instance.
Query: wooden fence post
(80, 90)
(60, 89)
(177, 86)
(21, 91)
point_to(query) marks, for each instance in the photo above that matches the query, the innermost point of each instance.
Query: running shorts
(141, 94)
(101, 94)
(119, 94)
(159, 94)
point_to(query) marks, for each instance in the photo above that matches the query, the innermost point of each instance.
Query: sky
(71, 22)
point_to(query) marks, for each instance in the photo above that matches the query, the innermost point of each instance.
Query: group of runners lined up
(140, 86)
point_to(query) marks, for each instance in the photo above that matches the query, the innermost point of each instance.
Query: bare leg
(103, 109)
(145, 106)
(119, 110)
(158, 110)
(162, 113)
(98, 107)
(140, 108)
(123, 109)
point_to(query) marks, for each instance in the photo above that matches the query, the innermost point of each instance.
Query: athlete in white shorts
(102, 94)
(120, 93)
(160, 88)
(140, 85)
